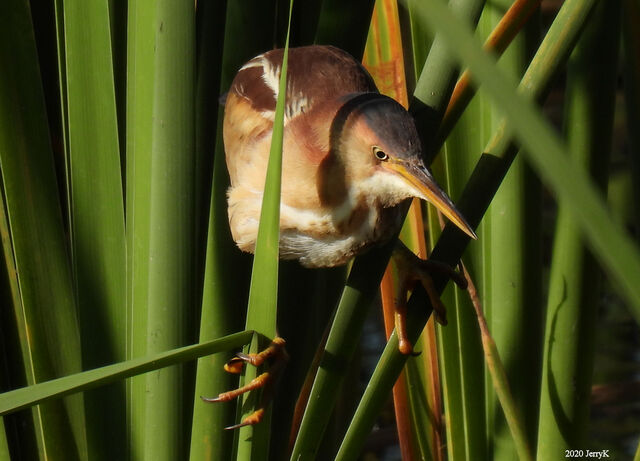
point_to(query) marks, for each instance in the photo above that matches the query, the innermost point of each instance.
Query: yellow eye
(380, 154)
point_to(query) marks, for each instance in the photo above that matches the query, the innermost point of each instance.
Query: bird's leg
(277, 356)
(411, 270)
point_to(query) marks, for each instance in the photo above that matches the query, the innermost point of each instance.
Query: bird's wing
(315, 73)
(317, 78)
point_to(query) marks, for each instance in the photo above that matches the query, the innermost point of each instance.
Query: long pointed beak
(420, 178)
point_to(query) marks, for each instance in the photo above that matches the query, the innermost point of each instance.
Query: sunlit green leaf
(54, 389)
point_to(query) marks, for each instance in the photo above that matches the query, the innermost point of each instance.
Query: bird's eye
(380, 154)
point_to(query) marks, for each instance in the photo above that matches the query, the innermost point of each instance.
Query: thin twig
(498, 375)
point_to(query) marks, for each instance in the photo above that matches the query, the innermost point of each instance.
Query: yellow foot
(411, 270)
(277, 356)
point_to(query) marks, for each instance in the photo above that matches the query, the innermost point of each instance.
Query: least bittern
(350, 156)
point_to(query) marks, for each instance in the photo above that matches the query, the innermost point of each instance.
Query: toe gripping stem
(411, 270)
(277, 356)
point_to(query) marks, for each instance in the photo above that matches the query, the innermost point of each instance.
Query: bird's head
(376, 141)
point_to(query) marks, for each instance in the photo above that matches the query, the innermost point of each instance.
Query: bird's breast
(334, 237)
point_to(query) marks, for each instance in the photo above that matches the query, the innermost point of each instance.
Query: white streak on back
(255, 62)
(271, 76)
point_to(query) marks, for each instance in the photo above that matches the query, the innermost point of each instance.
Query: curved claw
(211, 399)
(253, 418)
(234, 366)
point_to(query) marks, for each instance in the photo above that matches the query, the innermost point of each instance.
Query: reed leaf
(423, 373)
(263, 292)
(336, 17)
(356, 299)
(160, 214)
(140, 83)
(383, 58)
(210, 30)
(14, 352)
(504, 32)
(4, 443)
(438, 76)
(25, 397)
(569, 343)
(64, 112)
(222, 314)
(97, 212)
(45, 314)
(226, 271)
(512, 290)
(460, 355)
(631, 47)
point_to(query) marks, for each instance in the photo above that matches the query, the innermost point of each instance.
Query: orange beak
(420, 178)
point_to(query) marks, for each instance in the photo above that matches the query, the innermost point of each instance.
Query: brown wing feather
(317, 77)
(315, 73)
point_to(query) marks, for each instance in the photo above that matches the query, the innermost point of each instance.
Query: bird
(350, 157)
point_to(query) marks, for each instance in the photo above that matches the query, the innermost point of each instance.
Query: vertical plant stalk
(422, 372)
(46, 314)
(336, 17)
(434, 395)
(437, 79)
(213, 243)
(214, 247)
(341, 344)
(509, 276)
(221, 299)
(263, 294)
(171, 245)
(226, 271)
(141, 79)
(210, 28)
(569, 344)
(160, 215)
(401, 403)
(458, 354)
(383, 58)
(22, 364)
(498, 376)
(62, 77)
(4, 443)
(97, 211)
